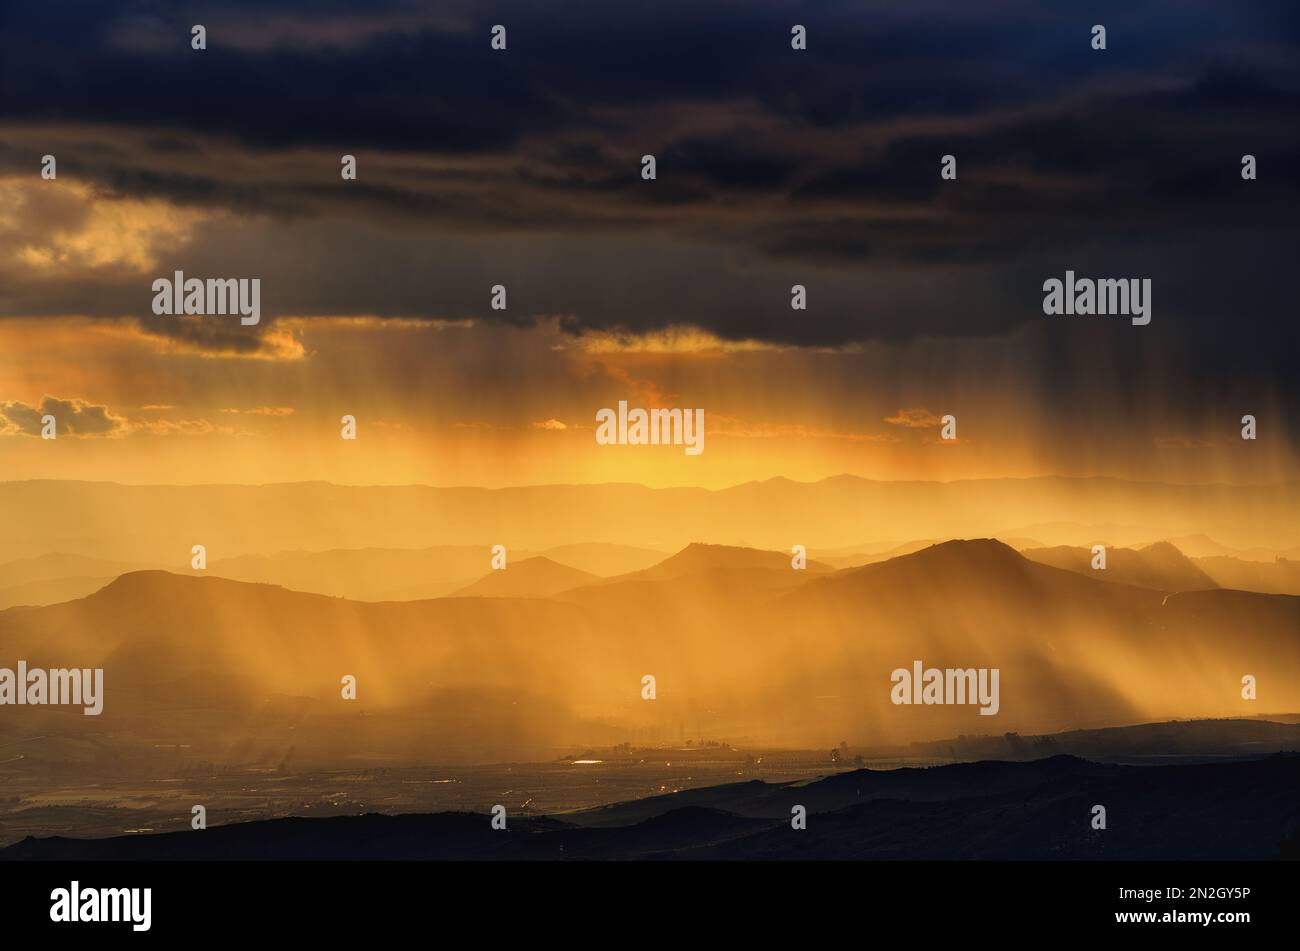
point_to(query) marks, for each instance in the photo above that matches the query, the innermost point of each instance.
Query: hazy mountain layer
(756, 654)
(1160, 566)
(530, 578)
(159, 524)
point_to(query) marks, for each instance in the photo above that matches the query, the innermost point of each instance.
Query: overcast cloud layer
(775, 167)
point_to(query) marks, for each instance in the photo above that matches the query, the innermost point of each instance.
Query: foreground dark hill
(1143, 743)
(989, 810)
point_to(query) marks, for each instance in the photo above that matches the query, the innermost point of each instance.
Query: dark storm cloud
(421, 76)
(775, 167)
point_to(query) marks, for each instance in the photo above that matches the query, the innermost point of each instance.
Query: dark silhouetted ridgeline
(988, 810)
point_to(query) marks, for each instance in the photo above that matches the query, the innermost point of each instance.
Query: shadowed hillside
(1146, 743)
(765, 655)
(986, 810)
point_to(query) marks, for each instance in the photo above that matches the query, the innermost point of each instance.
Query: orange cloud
(914, 419)
(63, 226)
(74, 417)
(182, 427)
(722, 425)
(263, 411)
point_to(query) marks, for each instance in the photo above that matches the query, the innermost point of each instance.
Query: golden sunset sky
(468, 403)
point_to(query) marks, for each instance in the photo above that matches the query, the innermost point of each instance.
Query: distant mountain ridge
(700, 557)
(535, 577)
(364, 574)
(1160, 566)
(158, 524)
